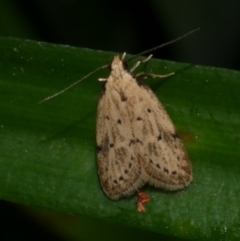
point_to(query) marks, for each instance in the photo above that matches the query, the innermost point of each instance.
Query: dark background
(131, 26)
(118, 26)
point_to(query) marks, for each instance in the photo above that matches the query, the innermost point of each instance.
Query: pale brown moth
(136, 140)
(137, 143)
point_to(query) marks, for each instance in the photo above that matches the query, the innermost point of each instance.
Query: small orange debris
(142, 198)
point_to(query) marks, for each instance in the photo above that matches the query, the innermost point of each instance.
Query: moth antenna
(105, 66)
(70, 86)
(163, 45)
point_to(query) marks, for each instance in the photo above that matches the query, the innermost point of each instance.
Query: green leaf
(47, 151)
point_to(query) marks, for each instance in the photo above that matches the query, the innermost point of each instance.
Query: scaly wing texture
(137, 142)
(164, 157)
(119, 160)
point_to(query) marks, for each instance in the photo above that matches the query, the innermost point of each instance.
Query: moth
(137, 143)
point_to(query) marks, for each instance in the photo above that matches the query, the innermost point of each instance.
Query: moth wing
(164, 157)
(119, 161)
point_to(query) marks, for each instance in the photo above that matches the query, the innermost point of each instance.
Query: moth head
(118, 64)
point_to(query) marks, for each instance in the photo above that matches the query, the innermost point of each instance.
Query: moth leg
(149, 74)
(123, 56)
(102, 79)
(140, 62)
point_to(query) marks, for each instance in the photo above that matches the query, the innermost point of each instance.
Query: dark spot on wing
(99, 148)
(107, 117)
(125, 171)
(138, 141)
(165, 170)
(139, 118)
(111, 145)
(175, 135)
(115, 181)
(174, 172)
(159, 137)
(120, 178)
(150, 160)
(158, 166)
(123, 97)
(149, 110)
(119, 122)
(131, 142)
